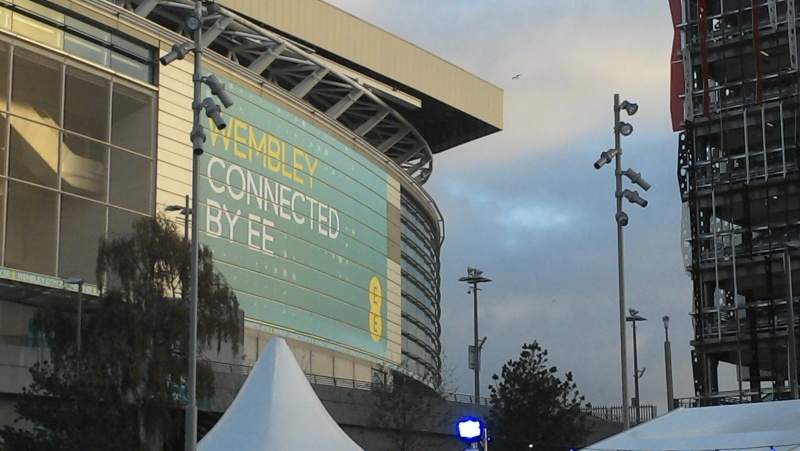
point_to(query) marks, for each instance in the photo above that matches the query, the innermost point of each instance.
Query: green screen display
(297, 222)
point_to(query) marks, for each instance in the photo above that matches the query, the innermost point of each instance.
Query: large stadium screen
(297, 221)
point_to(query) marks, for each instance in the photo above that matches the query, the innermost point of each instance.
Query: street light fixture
(621, 218)
(668, 364)
(194, 23)
(634, 316)
(474, 276)
(185, 210)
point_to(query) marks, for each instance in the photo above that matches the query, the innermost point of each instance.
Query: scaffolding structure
(736, 94)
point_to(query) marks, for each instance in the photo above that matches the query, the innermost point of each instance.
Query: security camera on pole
(623, 129)
(194, 23)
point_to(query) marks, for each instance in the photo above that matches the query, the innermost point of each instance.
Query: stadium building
(736, 94)
(312, 198)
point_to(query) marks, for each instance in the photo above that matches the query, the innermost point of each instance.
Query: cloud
(526, 205)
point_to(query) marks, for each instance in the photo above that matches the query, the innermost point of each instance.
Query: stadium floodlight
(212, 111)
(605, 158)
(212, 7)
(629, 107)
(194, 22)
(636, 177)
(178, 52)
(624, 128)
(634, 198)
(470, 429)
(218, 89)
(198, 137)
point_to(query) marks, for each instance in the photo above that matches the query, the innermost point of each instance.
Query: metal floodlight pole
(474, 277)
(634, 316)
(475, 342)
(80, 315)
(79, 282)
(635, 374)
(668, 364)
(197, 105)
(197, 136)
(622, 129)
(186, 212)
(790, 332)
(621, 266)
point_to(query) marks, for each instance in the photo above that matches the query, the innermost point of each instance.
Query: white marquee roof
(276, 409)
(752, 427)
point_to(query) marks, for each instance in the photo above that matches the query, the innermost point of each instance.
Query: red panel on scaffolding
(677, 78)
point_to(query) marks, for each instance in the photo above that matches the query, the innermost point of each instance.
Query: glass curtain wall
(77, 148)
(420, 287)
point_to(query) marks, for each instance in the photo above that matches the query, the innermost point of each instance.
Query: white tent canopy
(276, 410)
(751, 427)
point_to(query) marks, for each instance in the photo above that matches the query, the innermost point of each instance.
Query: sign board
(297, 221)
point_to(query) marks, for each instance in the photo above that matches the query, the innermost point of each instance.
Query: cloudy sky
(526, 205)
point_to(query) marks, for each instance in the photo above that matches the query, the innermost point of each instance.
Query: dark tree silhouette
(122, 391)
(407, 409)
(532, 405)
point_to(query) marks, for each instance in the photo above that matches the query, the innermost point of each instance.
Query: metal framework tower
(736, 96)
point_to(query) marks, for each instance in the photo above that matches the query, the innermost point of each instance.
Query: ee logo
(375, 302)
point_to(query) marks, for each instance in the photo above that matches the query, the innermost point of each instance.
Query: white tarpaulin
(751, 427)
(276, 409)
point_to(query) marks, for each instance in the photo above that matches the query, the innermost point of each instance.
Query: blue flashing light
(470, 429)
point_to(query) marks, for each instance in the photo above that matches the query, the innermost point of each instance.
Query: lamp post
(474, 277)
(185, 211)
(194, 23)
(622, 129)
(634, 316)
(668, 364)
(790, 332)
(79, 282)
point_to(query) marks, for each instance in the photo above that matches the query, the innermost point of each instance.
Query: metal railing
(637, 415)
(330, 381)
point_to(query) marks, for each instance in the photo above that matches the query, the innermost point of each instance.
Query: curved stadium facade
(311, 198)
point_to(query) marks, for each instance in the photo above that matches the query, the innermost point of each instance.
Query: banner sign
(297, 221)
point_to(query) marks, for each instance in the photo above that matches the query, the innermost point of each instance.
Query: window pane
(33, 152)
(83, 223)
(141, 51)
(36, 88)
(132, 121)
(131, 181)
(36, 30)
(86, 104)
(130, 67)
(76, 26)
(4, 67)
(5, 18)
(120, 222)
(3, 198)
(31, 235)
(84, 167)
(79, 46)
(3, 142)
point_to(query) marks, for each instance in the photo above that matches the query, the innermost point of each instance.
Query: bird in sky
(516, 76)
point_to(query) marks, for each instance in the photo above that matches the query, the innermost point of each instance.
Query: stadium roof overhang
(405, 124)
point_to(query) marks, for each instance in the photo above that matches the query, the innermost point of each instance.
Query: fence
(614, 413)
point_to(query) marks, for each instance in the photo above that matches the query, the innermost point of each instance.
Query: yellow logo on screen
(375, 302)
